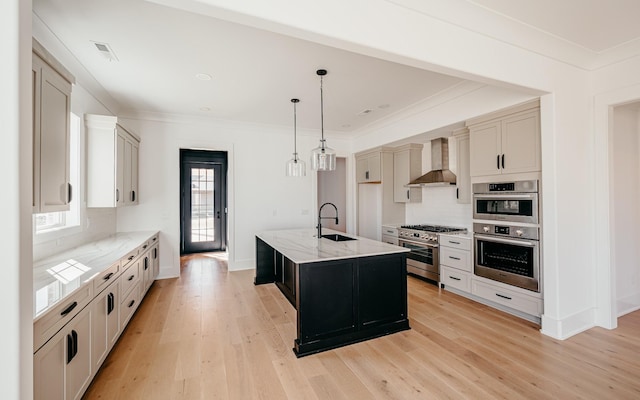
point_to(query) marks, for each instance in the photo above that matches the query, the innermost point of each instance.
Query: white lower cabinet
(530, 304)
(456, 268)
(62, 367)
(155, 255)
(105, 323)
(74, 338)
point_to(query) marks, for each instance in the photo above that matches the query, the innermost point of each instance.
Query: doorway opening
(203, 201)
(332, 188)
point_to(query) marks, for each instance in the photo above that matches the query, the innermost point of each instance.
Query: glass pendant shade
(323, 158)
(295, 166)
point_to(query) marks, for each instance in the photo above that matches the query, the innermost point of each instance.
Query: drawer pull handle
(503, 296)
(131, 277)
(453, 242)
(154, 239)
(69, 309)
(130, 258)
(454, 278)
(144, 247)
(108, 276)
(131, 303)
(454, 258)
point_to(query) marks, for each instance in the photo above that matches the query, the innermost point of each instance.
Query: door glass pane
(202, 207)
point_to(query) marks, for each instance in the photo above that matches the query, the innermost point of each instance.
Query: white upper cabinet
(407, 166)
(52, 83)
(508, 144)
(368, 168)
(112, 163)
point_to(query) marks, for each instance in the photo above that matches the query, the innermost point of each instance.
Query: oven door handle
(517, 242)
(505, 196)
(434, 246)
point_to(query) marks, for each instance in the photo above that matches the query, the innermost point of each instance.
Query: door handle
(503, 161)
(498, 161)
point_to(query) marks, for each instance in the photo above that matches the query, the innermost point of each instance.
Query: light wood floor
(211, 334)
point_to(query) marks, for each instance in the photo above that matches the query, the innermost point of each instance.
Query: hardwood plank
(212, 334)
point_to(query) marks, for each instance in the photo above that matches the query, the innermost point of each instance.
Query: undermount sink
(338, 238)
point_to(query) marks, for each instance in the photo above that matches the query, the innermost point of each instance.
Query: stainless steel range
(422, 240)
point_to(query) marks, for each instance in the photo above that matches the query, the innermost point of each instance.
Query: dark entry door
(203, 201)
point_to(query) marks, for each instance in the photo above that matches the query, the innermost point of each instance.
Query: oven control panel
(417, 235)
(524, 232)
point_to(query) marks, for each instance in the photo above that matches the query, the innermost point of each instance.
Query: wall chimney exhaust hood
(440, 175)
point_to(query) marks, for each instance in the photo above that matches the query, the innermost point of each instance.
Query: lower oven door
(423, 260)
(512, 261)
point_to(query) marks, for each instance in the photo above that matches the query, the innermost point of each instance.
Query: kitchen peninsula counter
(343, 292)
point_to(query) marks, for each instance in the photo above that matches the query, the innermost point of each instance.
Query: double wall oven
(506, 233)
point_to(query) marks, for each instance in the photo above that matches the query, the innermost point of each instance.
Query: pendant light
(295, 166)
(323, 158)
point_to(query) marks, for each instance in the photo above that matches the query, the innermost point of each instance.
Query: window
(48, 222)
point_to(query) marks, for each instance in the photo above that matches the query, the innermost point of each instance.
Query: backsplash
(439, 207)
(98, 224)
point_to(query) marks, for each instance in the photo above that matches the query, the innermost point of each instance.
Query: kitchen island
(343, 291)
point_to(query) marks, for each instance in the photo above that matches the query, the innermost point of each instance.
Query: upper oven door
(520, 207)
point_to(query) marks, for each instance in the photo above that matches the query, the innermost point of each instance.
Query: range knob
(519, 232)
(485, 228)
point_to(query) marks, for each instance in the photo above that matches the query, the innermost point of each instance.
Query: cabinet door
(147, 271)
(374, 168)
(463, 180)
(521, 143)
(485, 143)
(401, 165)
(54, 129)
(134, 172)
(78, 368)
(128, 184)
(155, 252)
(361, 170)
(105, 324)
(382, 290)
(120, 170)
(48, 369)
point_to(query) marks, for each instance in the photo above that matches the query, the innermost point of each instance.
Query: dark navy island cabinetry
(343, 292)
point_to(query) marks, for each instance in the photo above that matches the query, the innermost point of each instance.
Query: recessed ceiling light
(365, 112)
(383, 106)
(205, 109)
(203, 77)
(346, 126)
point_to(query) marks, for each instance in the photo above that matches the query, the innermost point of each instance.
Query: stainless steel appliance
(422, 240)
(508, 253)
(506, 201)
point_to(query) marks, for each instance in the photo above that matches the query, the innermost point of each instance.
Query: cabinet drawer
(129, 278)
(456, 242)
(154, 240)
(452, 277)
(144, 246)
(390, 239)
(521, 302)
(455, 258)
(105, 278)
(125, 262)
(52, 321)
(390, 231)
(129, 305)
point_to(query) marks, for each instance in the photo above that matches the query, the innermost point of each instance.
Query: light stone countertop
(302, 246)
(60, 275)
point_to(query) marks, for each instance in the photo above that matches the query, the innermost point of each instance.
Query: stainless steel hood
(440, 174)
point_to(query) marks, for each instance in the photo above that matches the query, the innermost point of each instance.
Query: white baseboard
(565, 328)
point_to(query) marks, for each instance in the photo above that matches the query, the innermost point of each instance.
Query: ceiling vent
(106, 51)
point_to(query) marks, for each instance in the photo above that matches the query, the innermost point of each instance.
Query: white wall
(626, 208)
(16, 376)
(332, 188)
(260, 196)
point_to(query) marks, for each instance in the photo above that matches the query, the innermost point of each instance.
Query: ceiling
(254, 73)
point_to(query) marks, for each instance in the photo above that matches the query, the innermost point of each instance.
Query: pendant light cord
(321, 112)
(295, 130)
